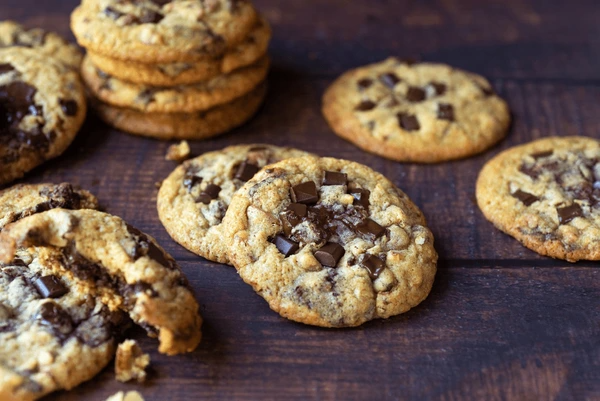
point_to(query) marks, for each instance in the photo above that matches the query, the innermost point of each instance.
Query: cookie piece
(197, 125)
(131, 362)
(178, 99)
(178, 152)
(416, 112)
(42, 106)
(47, 43)
(546, 194)
(129, 396)
(24, 200)
(249, 51)
(126, 267)
(163, 31)
(330, 242)
(193, 200)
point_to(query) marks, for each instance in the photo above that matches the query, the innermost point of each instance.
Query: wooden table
(501, 323)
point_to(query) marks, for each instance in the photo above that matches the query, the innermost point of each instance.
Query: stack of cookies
(186, 69)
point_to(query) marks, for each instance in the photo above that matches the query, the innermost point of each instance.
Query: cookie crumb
(131, 362)
(178, 152)
(129, 396)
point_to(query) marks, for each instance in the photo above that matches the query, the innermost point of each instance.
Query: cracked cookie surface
(418, 112)
(330, 242)
(546, 194)
(193, 200)
(42, 106)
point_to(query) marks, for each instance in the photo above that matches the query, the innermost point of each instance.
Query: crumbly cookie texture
(47, 43)
(419, 112)
(546, 194)
(24, 200)
(193, 200)
(129, 396)
(330, 242)
(131, 362)
(178, 151)
(42, 106)
(193, 125)
(178, 99)
(162, 31)
(249, 51)
(122, 264)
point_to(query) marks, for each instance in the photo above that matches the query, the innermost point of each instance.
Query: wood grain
(502, 323)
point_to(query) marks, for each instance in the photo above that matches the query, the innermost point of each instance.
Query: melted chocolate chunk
(146, 247)
(374, 266)
(55, 317)
(190, 179)
(525, 197)
(370, 228)
(69, 107)
(408, 122)
(6, 68)
(437, 88)
(150, 17)
(113, 13)
(539, 155)
(161, 2)
(94, 331)
(86, 270)
(50, 287)
(532, 171)
(292, 216)
(364, 83)
(335, 178)
(210, 192)
(147, 95)
(568, 213)
(246, 171)
(389, 79)
(415, 94)
(130, 292)
(286, 246)
(305, 193)
(445, 112)
(361, 197)
(366, 105)
(17, 98)
(62, 196)
(330, 254)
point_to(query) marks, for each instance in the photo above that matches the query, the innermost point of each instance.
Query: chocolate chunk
(50, 287)
(130, 292)
(374, 266)
(146, 247)
(286, 246)
(6, 68)
(210, 192)
(292, 216)
(445, 112)
(335, 178)
(539, 155)
(361, 197)
(16, 98)
(362, 84)
(408, 122)
(69, 107)
(532, 171)
(389, 79)
(330, 254)
(113, 13)
(150, 17)
(190, 179)
(161, 2)
(525, 197)
(305, 193)
(371, 228)
(95, 331)
(366, 105)
(568, 213)
(436, 88)
(415, 94)
(246, 171)
(85, 269)
(53, 316)
(147, 95)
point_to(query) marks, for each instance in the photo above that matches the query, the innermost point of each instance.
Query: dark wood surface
(501, 323)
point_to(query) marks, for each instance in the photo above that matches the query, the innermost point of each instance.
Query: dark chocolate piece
(292, 216)
(113, 13)
(445, 112)
(210, 192)
(370, 227)
(389, 79)
(335, 178)
(147, 95)
(55, 317)
(190, 179)
(437, 88)
(366, 105)
(146, 247)
(415, 94)
(361, 197)
(374, 266)
(69, 107)
(285, 245)
(330, 254)
(305, 193)
(408, 122)
(150, 17)
(246, 171)
(50, 287)
(362, 84)
(568, 213)
(5, 68)
(525, 197)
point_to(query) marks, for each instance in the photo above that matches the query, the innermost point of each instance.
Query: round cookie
(250, 50)
(416, 112)
(42, 106)
(24, 200)
(193, 200)
(178, 99)
(122, 266)
(198, 125)
(50, 44)
(546, 194)
(330, 242)
(163, 31)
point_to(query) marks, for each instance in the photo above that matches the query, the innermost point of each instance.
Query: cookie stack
(173, 69)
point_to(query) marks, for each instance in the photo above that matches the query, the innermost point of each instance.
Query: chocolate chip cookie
(162, 31)
(416, 112)
(546, 194)
(48, 43)
(196, 125)
(249, 51)
(330, 242)
(178, 99)
(193, 200)
(42, 106)
(114, 261)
